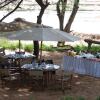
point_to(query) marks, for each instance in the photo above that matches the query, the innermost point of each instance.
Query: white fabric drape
(81, 66)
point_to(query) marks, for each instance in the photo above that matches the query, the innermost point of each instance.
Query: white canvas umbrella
(7, 29)
(38, 32)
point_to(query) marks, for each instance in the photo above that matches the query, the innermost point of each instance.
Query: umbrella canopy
(20, 29)
(40, 34)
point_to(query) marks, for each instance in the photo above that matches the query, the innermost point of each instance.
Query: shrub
(95, 48)
(67, 98)
(98, 98)
(80, 98)
(47, 48)
(17, 44)
(4, 43)
(28, 48)
(79, 48)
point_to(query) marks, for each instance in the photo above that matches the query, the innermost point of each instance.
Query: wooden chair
(63, 79)
(8, 77)
(4, 62)
(37, 77)
(2, 51)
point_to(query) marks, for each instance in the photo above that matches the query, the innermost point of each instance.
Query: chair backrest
(5, 72)
(4, 62)
(2, 51)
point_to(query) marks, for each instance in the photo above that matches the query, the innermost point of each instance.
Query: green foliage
(79, 48)
(8, 45)
(67, 98)
(17, 44)
(47, 48)
(98, 98)
(28, 47)
(95, 48)
(80, 98)
(11, 46)
(4, 43)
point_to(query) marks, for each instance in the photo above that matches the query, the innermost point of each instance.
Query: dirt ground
(85, 86)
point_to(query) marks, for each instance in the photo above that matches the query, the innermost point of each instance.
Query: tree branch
(42, 4)
(3, 2)
(6, 3)
(12, 11)
(72, 16)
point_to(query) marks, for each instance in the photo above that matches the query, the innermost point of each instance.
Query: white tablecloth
(81, 66)
(17, 56)
(40, 67)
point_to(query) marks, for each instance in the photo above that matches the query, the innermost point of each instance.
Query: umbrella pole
(41, 50)
(19, 45)
(19, 58)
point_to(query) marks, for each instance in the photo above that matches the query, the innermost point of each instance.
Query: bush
(28, 48)
(79, 48)
(67, 98)
(13, 45)
(80, 98)
(98, 98)
(95, 48)
(4, 43)
(47, 48)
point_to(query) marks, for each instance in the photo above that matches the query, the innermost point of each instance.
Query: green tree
(72, 16)
(61, 8)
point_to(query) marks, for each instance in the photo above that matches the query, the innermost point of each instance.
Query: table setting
(42, 66)
(17, 55)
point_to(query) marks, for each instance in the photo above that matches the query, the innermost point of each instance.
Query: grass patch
(78, 98)
(29, 47)
(79, 48)
(47, 48)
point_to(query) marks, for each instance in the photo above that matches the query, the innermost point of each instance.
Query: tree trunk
(72, 16)
(39, 21)
(61, 8)
(36, 43)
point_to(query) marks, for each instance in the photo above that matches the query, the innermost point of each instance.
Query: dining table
(17, 58)
(49, 71)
